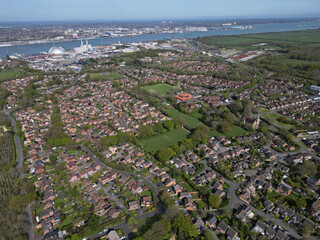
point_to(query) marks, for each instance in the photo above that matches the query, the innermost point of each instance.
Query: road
(19, 154)
(236, 201)
(113, 197)
(124, 226)
(297, 140)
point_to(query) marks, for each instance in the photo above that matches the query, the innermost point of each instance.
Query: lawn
(12, 74)
(196, 113)
(192, 121)
(263, 110)
(234, 132)
(164, 140)
(296, 62)
(276, 116)
(162, 88)
(104, 76)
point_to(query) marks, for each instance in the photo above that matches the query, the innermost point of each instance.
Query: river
(256, 28)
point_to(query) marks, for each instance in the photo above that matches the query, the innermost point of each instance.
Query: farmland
(163, 140)
(159, 88)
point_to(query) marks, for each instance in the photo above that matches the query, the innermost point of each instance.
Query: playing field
(164, 140)
(105, 76)
(12, 74)
(162, 88)
(192, 121)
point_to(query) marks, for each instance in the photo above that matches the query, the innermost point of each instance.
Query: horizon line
(170, 19)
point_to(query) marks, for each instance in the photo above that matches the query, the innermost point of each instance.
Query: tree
(176, 149)
(224, 127)
(201, 133)
(308, 168)
(159, 128)
(145, 131)
(301, 203)
(93, 222)
(168, 124)
(29, 187)
(165, 154)
(159, 230)
(17, 203)
(208, 235)
(165, 198)
(131, 221)
(214, 200)
(307, 229)
(183, 227)
(171, 211)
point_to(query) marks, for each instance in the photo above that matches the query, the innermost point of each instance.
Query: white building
(83, 48)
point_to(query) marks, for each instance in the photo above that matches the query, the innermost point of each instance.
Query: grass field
(164, 140)
(263, 110)
(276, 116)
(196, 114)
(234, 132)
(296, 62)
(192, 121)
(241, 42)
(162, 88)
(105, 76)
(12, 74)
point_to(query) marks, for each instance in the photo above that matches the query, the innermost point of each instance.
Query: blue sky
(12, 10)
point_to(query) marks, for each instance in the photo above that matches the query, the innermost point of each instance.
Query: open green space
(104, 76)
(308, 36)
(196, 113)
(275, 117)
(192, 121)
(162, 88)
(164, 140)
(263, 110)
(241, 42)
(296, 62)
(12, 74)
(235, 131)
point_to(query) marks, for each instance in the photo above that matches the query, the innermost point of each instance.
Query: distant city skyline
(120, 10)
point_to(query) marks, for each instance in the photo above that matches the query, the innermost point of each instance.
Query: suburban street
(236, 201)
(124, 226)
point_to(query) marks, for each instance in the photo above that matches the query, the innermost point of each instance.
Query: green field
(196, 114)
(12, 74)
(164, 140)
(241, 42)
(296, 62)
(104, 76)
(234, 132)
(162, 88)
(192, 121)
(275, 117)
(308, 36)
(263, 110)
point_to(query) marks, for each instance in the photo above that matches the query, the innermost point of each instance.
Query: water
(257, 28)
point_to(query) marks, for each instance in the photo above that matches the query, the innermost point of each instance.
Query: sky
(50, 10)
